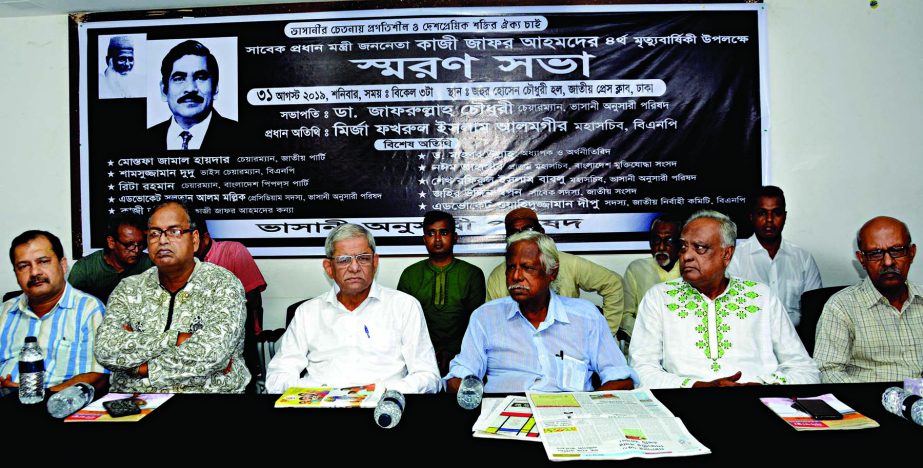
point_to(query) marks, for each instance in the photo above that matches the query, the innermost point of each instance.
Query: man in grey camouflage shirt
(178, 327)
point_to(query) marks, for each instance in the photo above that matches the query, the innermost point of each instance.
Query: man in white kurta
(706, 329)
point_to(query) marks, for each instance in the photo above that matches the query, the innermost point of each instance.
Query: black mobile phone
(818, 409)
(123, 407)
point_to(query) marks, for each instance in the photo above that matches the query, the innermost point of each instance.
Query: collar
(556, 310)
(198, 133)
(67, 301)
(756, 248)
(441, 269)
(153, 279)
(331, 296)
(870, 296)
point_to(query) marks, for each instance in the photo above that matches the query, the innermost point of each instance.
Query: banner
(277, 128)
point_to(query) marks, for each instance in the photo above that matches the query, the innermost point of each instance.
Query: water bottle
(31, 372)
(70, 400)
(904, 404)
(389, 409)
(470, 392)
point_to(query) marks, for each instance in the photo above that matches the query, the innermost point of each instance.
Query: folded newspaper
(506, 418)
(612, 425)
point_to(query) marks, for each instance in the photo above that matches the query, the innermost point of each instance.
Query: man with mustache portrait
(534, 339)
(189, 86)
(661, 266)
(871, 331)
(61, 317)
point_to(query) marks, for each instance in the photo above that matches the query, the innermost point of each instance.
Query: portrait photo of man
(188, 83)
(121, 75)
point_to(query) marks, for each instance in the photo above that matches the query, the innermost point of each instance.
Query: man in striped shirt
(64, 319)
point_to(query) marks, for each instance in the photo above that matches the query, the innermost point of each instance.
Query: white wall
(845, 103)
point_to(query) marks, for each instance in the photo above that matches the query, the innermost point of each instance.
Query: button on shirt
(681, 336)
(66, 334)
(861, 337)
(515, 356)
(790, 274)
(383, 340)
(175, 141)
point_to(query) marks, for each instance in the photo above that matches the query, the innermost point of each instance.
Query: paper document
(610, 426)
(803, 422)
(366, 396)
(506, 418)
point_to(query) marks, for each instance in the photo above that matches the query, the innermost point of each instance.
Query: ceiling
(12, 8)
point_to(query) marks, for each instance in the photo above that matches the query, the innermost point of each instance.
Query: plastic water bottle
(470, 392)
(31, 372)
(389, 409)
(904, 404)
(70, 400)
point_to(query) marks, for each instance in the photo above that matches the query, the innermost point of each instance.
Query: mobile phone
(123, 407)
(818, 409)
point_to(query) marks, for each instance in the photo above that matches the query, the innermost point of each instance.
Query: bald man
(873, 331)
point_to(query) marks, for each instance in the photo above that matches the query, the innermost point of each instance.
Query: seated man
(873, 331)
(122, 256)
(359, 332)
(178, 327)
(535, 339)
(63, 318)
(449, 289)
(574, 273)
(661, 266)
(235, 257)
(709, 330)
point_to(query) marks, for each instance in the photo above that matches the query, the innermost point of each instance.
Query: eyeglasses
(878, 255)
(129, 246)
(343, 261)
(655, 241)
(172, 233)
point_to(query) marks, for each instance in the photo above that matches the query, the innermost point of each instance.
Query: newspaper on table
(506, 418)
(612, 425)
(803, 422)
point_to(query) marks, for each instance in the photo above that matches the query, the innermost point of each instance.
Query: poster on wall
(276, 128)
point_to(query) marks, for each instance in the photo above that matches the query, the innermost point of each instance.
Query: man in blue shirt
(534, 339)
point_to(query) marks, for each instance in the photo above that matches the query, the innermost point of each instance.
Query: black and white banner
(596, 117)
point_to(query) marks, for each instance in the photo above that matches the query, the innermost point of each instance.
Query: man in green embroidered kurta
(178, 327)
(449, 289)
(711, 330)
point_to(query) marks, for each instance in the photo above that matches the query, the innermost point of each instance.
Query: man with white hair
(710, 330)
(534, 339)
(117, 80)
(359, 332)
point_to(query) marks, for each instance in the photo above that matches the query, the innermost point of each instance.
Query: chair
(9, 295)
(812, 304)
(290, 312)
(266, 349)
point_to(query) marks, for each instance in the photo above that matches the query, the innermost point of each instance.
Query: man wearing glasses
(574, 273)
(121, 257)
(788, 269)
(178, 327)
(359, 332)
(661, 266)
(872, 331)
(711, 330)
